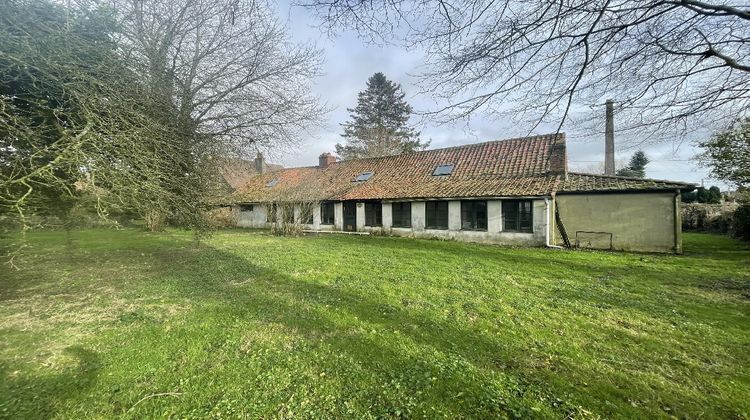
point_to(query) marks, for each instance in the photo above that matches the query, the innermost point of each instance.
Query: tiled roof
(237, 172)
(577, 182)
(530, 166)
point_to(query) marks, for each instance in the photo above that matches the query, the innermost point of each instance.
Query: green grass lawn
(245, 324)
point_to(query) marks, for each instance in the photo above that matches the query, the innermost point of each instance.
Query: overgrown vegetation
(107, 323)
(131, 106)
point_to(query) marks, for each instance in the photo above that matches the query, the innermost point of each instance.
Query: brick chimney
(609, 139)
(558, 157)
(325, 160)
(260, 164)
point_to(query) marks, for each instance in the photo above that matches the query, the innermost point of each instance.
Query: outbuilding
(516, 192)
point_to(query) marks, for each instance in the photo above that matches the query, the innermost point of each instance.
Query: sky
(350, 61)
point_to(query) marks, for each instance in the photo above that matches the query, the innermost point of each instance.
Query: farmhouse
(516, 191)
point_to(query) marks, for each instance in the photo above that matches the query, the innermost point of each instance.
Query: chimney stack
(558, 157)
(609, 139)
(260, 164)
(325, 160)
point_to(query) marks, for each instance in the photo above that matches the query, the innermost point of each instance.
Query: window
(401, 214)
(446, 169)
(364, 176)
(436, 213)
(474, 215)
(517, 216)
(246, 207)
(271, 213)
(373, 214)
(272, 183)
(326, 213)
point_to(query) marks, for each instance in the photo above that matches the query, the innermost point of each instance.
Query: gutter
(546, 230)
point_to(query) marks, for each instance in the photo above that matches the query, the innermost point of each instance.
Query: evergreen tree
(636, 167)
(379, 124)
(702, 195)
(714, 195)
(689, 197)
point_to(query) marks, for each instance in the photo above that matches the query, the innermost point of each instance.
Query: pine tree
(379, 123)
(701, 195)
(636, 167)
(714, 195)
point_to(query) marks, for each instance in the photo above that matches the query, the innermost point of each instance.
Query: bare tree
(673, 66)
(226, 67)
(224, 76)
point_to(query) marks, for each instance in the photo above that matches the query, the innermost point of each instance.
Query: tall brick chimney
(609, 139)
(260, 164)
(325, 160)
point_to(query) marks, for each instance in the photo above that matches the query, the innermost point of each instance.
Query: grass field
(125, 323)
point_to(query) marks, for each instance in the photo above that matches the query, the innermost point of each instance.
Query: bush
(707, 217)
(222, 217)
(741, 222)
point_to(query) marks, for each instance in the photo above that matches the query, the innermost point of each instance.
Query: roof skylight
(272, 183)
(445, 169)
(364, 176)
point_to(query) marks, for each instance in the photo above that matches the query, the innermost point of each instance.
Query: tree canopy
(727, 154)
(137, 102)
(379, 122)
(673, 67)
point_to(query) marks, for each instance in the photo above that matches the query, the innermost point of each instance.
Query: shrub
(741, 222)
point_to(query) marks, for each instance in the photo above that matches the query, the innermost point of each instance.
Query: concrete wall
(338, 216)
(253, 219)
(636, 222)
(387, 216)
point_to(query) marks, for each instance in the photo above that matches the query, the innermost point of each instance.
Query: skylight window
(446, 169)
(364, 176)
(272, 183)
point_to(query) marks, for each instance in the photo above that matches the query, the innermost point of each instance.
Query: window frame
(473, 207)
(364, 176)
(323, 205)
(401, 206)
(435, 204)
(517, 219)
(449, 172)
(378, 222)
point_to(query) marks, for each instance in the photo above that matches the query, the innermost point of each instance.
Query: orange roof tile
(529, 166)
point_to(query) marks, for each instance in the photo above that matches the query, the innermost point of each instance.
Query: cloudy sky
(350, 61)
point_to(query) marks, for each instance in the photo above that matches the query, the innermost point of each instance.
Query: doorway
(350, 216)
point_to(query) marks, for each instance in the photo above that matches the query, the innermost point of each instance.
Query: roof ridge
(460, 146)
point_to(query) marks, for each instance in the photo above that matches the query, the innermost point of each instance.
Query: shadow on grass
(480, 374)
(493, 376)
(46, 393)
